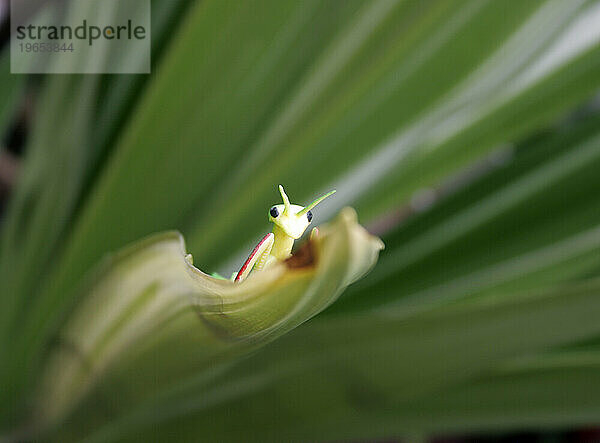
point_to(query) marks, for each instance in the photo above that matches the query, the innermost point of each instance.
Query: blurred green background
(466, 133)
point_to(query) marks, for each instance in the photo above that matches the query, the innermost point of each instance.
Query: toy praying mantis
(290, 222)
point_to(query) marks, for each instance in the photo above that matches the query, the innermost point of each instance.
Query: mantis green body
(290, 221)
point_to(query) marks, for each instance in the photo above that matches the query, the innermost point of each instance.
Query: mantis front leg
(257, 258)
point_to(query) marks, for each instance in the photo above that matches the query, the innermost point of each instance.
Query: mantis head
(293, 219)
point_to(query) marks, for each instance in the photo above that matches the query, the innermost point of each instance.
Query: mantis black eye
(309, 216)
(274, 212)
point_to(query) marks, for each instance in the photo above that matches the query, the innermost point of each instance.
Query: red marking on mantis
(250, 257)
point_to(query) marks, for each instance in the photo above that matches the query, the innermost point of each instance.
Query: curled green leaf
(151, 286)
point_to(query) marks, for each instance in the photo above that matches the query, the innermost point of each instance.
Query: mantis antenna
(286, 201)
(315, 202)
